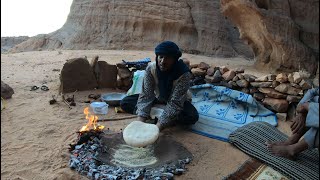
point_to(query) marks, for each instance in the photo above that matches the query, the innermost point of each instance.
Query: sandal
(33, 88)
(44, 88)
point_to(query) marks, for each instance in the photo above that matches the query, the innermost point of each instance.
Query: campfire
(92, 122)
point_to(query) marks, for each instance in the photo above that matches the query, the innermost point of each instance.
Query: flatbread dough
(140, 134)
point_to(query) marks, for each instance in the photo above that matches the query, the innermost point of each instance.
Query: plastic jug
(99, 107)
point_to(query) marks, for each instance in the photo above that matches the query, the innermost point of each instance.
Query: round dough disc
(140, 134)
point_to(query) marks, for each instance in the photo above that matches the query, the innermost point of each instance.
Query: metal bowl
(113, 99)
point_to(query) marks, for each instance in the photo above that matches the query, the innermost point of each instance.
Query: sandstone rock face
(196, 26)
(284, 35)
(9, 42)
(77, 74)
(6, 91)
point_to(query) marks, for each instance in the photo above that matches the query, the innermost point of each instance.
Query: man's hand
(298, 123)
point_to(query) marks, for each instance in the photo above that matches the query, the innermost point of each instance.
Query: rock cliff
(284, 34)
(197, 26)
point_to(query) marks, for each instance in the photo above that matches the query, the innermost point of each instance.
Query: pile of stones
(276, 92)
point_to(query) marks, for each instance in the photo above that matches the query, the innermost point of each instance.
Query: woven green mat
(251, 139)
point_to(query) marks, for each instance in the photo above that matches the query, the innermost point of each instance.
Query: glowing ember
(92, 122)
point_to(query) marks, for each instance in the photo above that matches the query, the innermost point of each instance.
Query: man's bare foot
(294, 138)
(285, 151)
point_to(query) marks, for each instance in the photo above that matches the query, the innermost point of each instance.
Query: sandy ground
(35, 136)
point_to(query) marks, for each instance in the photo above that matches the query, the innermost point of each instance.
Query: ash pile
(92, 156)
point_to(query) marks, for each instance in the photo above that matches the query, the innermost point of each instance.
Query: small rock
(236, 78)
(305, 84)
(245, 90)
(198, 72)
(278, 105)
(270, 92)
(217, 76)
(212, 79)
(210, 71)
(292, 98)
(229, 75)
(275, 83)
(305, 75)
(296, 77)
(239, 70)
(240, 76)
(225, 84)
(223, 69)
(315, 82)
(253, 90)
(271, 77)
(258, 96)
(282, 77)
(295, 85)
(262, 79)
(233, 84)
(249, 77)
(204, 66)
(242, 83)
(290, 78)
(287, 89)
(193, 66)
(261, 84)
(281, 116)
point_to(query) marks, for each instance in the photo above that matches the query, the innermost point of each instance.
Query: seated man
(166, 82)
(305, 123)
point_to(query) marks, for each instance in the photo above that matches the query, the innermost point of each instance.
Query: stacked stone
(124, 77)
(277, 92)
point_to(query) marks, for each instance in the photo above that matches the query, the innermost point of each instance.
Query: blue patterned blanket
(223, 110)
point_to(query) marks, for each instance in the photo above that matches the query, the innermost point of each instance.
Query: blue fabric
(165, 79)
(223, 110)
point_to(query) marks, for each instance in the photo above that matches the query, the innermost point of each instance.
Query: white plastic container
(99, 107)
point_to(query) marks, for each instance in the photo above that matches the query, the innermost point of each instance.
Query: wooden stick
(119, 118)
(66, 102)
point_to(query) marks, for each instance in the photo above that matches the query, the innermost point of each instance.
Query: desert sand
(35, 135)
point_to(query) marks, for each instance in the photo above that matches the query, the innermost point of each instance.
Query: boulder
(229, 75)
(217, 77)
(270, 92)
(6, 91)
(77, 74)
(277, 105)
(106, 74)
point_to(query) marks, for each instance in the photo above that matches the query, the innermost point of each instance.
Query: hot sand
(35, 136)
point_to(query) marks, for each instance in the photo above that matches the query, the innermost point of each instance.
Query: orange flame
(92, 122)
